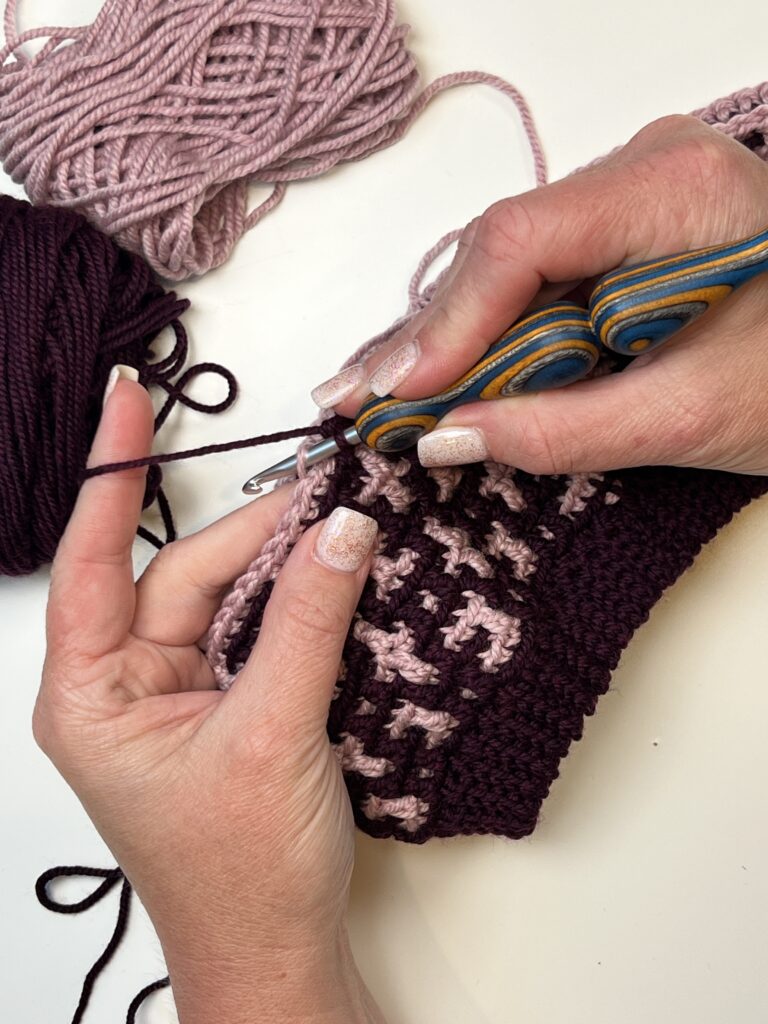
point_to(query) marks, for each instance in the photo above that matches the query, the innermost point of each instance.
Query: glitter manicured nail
(346, 539)
(452, 446)
(394, 369)
(119, 372)
(336, 389)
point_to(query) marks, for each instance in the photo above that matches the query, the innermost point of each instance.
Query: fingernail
(394, 369)
(119, 372)
(452, 446)
(346, 539)
(336, 389)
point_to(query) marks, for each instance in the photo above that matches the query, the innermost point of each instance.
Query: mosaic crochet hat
(497, 607)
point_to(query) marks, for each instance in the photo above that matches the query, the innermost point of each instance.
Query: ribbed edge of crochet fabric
(497, 607)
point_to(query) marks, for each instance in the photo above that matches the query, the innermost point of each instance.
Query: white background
(643, 894)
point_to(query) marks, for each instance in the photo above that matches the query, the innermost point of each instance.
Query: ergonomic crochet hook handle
(547, 349)
(635, 309)
(631, 310)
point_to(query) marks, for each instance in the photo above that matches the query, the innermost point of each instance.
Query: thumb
(617, 421)
(293, 667)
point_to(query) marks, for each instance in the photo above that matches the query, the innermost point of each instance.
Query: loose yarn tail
(111, 877)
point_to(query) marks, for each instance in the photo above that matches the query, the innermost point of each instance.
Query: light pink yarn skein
(153, 120)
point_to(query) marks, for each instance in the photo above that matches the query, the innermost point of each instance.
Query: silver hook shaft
(322, 450)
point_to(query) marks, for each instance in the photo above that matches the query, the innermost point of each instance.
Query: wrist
(296, 984)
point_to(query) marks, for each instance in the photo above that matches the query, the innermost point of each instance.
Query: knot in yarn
(72, 305)
(154, 119)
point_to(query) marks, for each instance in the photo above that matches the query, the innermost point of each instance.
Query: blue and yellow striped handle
(550, 348)
(636, 309)
(631, 311)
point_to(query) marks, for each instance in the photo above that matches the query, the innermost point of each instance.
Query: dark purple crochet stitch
(576, 562)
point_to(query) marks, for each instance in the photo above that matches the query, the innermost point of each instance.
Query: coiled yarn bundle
(72, 304)
(154, 119)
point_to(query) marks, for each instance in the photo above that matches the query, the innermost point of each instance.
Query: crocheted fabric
(497, 607)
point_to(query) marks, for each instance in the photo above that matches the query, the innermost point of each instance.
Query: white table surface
(643, 894)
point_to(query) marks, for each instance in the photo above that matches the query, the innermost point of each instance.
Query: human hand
(700, 400)
(227, 811)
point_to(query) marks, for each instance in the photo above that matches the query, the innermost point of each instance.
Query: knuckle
(666, 130)
(684, 149)
(314, 616)
(708, 155)
(49, 732)
(544, 446)
(258, 749)
(42, 732)
(505, 231)
(267, 750)
(681, 169)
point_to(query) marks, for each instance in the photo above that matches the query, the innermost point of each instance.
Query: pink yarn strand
(155, 119)
(500, 85)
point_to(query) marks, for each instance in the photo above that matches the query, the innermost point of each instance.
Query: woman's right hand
(700, 400)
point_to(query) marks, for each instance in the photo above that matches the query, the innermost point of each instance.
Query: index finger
(91, 603)
(657, 196)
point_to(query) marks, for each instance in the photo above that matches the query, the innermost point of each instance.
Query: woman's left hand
(227, 811)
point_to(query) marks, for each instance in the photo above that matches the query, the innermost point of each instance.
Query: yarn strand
(207, 449)
(155, 119)
(111, 877)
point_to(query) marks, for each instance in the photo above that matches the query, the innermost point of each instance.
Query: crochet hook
(631, 310)
(549, 348)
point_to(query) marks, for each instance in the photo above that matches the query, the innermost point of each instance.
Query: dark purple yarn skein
(72, 304)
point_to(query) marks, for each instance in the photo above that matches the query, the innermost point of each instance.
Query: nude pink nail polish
(394, 369)
(338, 387)
(118, 372)
(346, 539)
(452, 446)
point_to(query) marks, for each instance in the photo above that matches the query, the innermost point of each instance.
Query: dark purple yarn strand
(195, 453)
(72, 305)
(111, 877)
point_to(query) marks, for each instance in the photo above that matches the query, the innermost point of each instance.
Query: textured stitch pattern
(497, 607)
